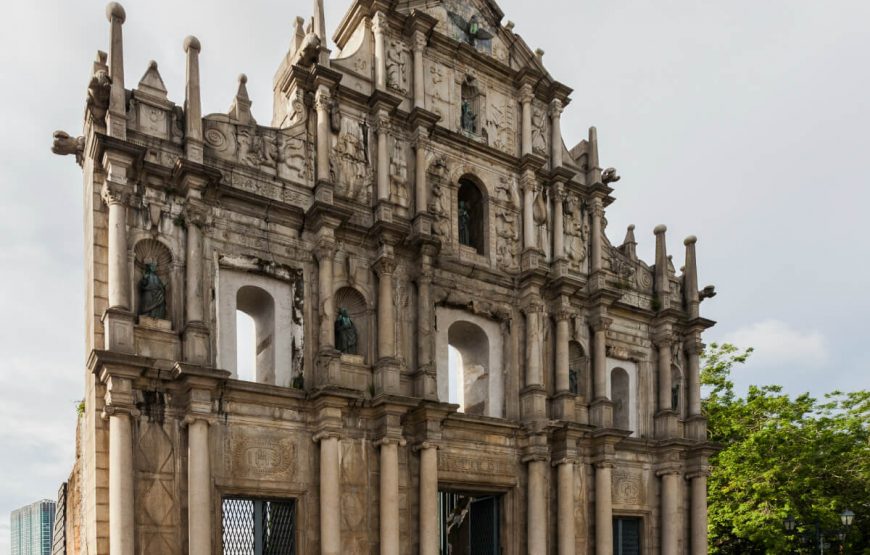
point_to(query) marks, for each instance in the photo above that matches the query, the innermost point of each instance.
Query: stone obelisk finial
(690, 281)
(192, 102)
(240, 110)
(594, 175)
(629, 245)
(663, 280)
(116, 118)
(319, 29)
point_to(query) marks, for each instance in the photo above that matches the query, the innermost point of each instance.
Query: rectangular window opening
(469, 523)
(258, 527)
(626, 536)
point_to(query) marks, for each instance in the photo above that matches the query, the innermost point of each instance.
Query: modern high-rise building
(31, 528)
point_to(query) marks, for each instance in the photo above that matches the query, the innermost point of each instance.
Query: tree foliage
(782, 456)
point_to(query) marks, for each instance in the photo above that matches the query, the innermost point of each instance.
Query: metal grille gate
(258, 527)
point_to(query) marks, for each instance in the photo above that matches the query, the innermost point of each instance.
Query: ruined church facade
(451, 356)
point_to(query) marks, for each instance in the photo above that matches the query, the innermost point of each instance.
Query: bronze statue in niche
(345, 333)
(152, 294)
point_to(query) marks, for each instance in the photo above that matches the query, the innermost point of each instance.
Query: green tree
(782, 456)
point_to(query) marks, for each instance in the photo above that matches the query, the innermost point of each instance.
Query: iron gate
(258, 527)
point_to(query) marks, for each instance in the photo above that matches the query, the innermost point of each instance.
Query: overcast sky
(743, 122)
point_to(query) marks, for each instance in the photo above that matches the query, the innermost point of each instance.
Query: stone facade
(417, 179)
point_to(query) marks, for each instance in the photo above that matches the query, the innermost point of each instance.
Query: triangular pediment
(152, 83)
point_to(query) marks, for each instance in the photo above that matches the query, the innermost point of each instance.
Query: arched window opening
(471, 214)
(351, 323)
(260, 307)
(576, 369)
(620, 390)
(471, 374)
(246, 347)
(457, 378)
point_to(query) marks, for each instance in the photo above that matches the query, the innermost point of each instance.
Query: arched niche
(478, 343)
(620, 388)
(678, 388)
(354, 302)
(471, 215)
(269, 301)
(147, 252)
(578, 369)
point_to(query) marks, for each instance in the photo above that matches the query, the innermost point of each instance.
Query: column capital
(703, 472)
(382, 122)
(400, 441)
(602, 465)
(535, 457)
(379, 23)
(119, 410)
(533, 307)
(384, 266)
(420, 139)
(423, 445)
(420, 41)
(565, 460)
(326, 434)
(600, 323)
(664, 338)
(323, 99)
(526, 93)
(563, 314)
(556, 108)
(197, 214)
(192, 419)
(529, 182)
(693, 344)
(669, 471)
(596, 207)
(325, 250)
(115, 193)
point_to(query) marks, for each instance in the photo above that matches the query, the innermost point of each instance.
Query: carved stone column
(383, 166)
(426, 385)
(670, 514)
(563, 331)
(419, 79)
(559, 198)
(120, 410)
(694, 347)
(199, 486)
(387, 369)
(325, 253)
(566, 525)
(195, 337)
(699, 511)
(421, 147)
(379, 28)
(603, 509)
(118, 318)
(116, 117)
(330, 494)
(602, 407)
(526, 95)
(536, 521)
(556, 109)
(534, 374)
(323, 104)
(530, 187)
(597, 206)
(664, 341)
(429, 537)
(389, 495)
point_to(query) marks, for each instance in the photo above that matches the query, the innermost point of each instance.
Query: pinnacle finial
(192, 43)
(116, 11)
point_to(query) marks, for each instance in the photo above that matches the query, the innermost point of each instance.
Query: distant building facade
(31, 528)
(411, 202)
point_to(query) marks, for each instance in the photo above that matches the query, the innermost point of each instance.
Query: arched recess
(260, 306)
(677, 390)
(353, 301)
(470, 373)
(577, 369)
(478, 343)
(471, 215)
(152, 251)
(620, 391)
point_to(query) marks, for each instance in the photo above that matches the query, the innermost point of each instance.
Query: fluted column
(389, 495)
(325, 253)
(603, 509)
(419, 79)
(379, 28)
(563, 362)
(383, 166)
(556, 109)
(537, 505)
(119, 272)
(421, 146)
(386, 309)
(429, 534)
(699, 513)
(199, 488)
(330, 494)
(116, 116)
(566, 525)
(670, 517)
(193, 136)
(526, 94)
(530, 186)
(323, 103)
(597, 217)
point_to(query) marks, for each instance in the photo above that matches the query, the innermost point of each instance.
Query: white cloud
(778, 343)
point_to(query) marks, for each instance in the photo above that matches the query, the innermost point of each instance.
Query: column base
(387, 376)
(532, 259)
(118, 331)
(533, 403)
(324, 191)
(667, 424)
(328, 366)
(195, 339)
(425, 383)
(601, 412)
(423, 224)
(384, 212)
(696, 428)
(563, 406)
(559, 268)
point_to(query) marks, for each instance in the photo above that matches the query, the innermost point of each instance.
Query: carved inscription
(485, 466)
(263, 458)
(626, 487)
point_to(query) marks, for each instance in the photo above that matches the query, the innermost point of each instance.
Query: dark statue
(574, 381)
(345, 333)
(675, 397)
(469, 118)
(152, 294)
(470, 28)
(464, 224)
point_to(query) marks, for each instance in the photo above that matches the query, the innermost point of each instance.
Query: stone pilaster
(196, 331)
(698, 510)
(425, 379)
(565, 517)
(530, 188)
(323, 104)
(603, 508)
(666, 419)
(382, 121)
(671, 521)
(389, 494)
(564, 402)
(330, 493)
(533, 395)
(379, 28)
(559, 198)
(602, 407)
(116, 192)
(387, 369)
(199, 499)
(597, 211)
(120, 410)
(526, 94)
(537, 461)
(429, 533)
(696, 423)
(421, 187)
(556, 109)
(419, 47)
